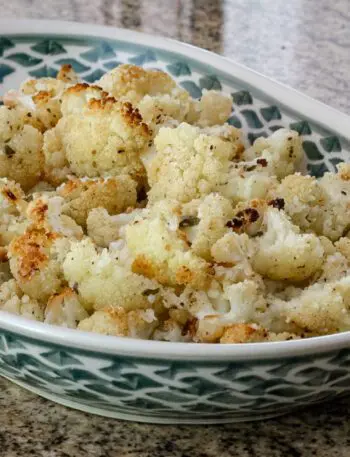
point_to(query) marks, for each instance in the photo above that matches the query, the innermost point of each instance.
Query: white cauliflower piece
(114, 194)
(65, 309)
(21, 157)
(190, 163)
(204, 222)
(319, 309)
(282, 151)
(283, 253)
(159, 250)
(318, 205)
(13, 301)
(103, 281)
(245, 303)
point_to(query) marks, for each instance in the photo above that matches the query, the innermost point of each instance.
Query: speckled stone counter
(303, 43)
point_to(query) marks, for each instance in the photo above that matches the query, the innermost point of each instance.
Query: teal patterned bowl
(155, 381)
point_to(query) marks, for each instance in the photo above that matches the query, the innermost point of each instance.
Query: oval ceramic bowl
(163, 382)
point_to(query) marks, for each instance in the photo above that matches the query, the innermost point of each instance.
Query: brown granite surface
(303, 43)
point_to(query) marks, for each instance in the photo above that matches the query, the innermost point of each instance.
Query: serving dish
(164, 382)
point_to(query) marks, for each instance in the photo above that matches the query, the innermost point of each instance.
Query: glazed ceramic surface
(173, 382)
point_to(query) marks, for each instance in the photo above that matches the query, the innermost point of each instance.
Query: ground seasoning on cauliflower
(130, 209)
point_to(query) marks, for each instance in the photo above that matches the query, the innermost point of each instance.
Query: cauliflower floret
(13, 301)
(104, 229)
(97, 136)
(12, 206)
(190, 163)
(283, 253)
(170, 330)
(45, 213)
(132, 83)
(245, 303)
(65, 309)
(39, 100)
(103, 281)
(334, 220)
(214, 108)
(248, 217)
(204, 222)
(159, 251)
(21, 157)
(302, 199)
(282, 151)
(119, 322)
(159, 109)
(321, 206)
(82, 195)
(36, 262)
(318, 309)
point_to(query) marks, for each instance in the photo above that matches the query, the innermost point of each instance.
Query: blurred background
(303, 43)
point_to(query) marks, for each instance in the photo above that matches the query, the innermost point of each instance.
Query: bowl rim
(316, 111)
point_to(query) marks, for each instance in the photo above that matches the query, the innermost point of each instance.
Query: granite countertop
(303, 43)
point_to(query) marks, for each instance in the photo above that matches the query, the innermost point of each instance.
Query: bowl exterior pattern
(162, 390)
(173, 391)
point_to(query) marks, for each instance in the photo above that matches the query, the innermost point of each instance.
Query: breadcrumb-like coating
(115, 194)
(21, 157)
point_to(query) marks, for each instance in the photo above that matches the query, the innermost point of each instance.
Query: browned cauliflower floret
(248, 217)
(13, 301)
(132, 83)
(21, 157)
(65, 309)
(204, 222)
(36, 262)
(39, 100)
(46, 213)
(283, 253)
(282, 151)
(12, 207)
(160, 250)
(97, 136)
(138, 323)
(190, 163)
(103, 280)
(115, 194)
